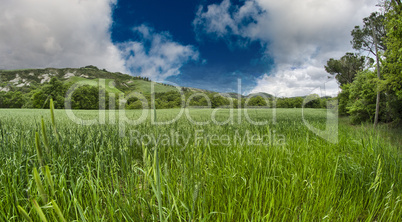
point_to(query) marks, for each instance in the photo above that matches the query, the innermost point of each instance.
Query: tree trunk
(377, 105)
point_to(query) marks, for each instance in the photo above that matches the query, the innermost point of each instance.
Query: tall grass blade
(58, 211)
(39, 211)
(378, 176)
(24, 214)
(38, 182)
(49, 180)
(77, 205)
(53, 121)
(154, 111)
(158, 183)
(45, 141)
(38, 149)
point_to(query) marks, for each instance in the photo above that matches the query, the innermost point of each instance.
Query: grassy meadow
(195, 169)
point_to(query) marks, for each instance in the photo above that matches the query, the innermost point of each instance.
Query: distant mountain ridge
(32, 88)
(31, 78)
(116, 82)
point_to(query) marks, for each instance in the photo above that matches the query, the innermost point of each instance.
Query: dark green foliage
(136, 105)
(219, 101)
(344, 101)
(363, 97)
(393, 109)
(346, 67)
(358, 97)
(361, 100)
(313, 101)
(294, 102)
(258, 101)
(91, 67)
(198, 100)
(166, 100)
(12, 99)
(393, 62)
(55, 90)
(87, 97)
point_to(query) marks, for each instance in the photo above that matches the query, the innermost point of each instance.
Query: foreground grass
(93, 174)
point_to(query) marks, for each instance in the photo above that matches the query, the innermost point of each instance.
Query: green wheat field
(193, 169)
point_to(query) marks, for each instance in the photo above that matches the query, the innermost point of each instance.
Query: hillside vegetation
(32, 88)
(25, 79)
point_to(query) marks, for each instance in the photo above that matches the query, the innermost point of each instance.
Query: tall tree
(363, 39)
(393, 60)
(345, 68)
(377, 109)
(371, 38)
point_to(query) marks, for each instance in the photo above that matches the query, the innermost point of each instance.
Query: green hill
(109, 83)
(32, 88)
(28, 79)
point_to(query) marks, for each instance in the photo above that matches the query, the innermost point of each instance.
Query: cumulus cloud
(221, 20)
(289, 81)
(76, 33)
(63, 33)
(156, 56)
(299, 35)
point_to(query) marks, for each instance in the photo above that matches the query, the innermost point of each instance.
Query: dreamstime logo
(117, 103)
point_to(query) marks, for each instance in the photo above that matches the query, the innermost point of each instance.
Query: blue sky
(219, 64)
(278, 47)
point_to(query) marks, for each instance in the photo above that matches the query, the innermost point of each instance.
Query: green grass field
(188, 172)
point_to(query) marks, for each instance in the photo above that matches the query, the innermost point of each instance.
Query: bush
(363, 96)
(344, 101)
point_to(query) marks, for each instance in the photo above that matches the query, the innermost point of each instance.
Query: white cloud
(300, 35)
(63, 33)
(76, 33)
(156, 56)
(289, 81)
(216, 19)
(221, 20)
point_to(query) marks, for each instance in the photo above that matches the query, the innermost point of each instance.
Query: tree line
(89, 97)
(366, 82)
